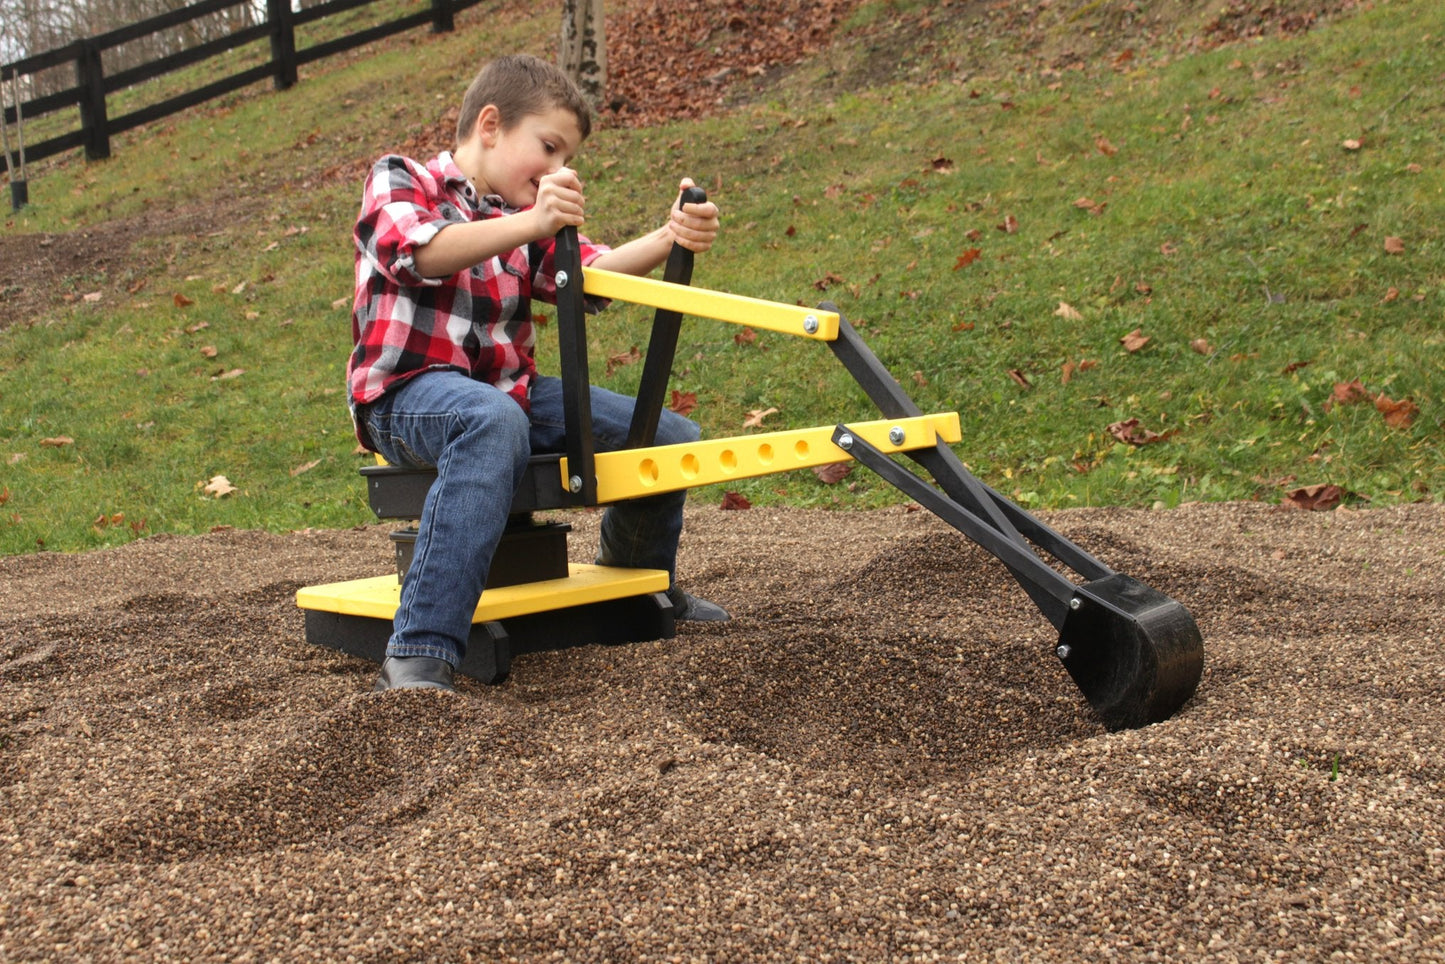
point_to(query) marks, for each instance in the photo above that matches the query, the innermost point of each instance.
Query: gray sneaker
(688, 608)
(414, 673)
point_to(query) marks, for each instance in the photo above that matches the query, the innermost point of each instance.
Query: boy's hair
(519, 85)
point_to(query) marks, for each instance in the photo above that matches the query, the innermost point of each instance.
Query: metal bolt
(895, 435)
(575, 483)
(1076, 603)
(845, 442)
(810, 324)
(1063, 651)
(562, 279)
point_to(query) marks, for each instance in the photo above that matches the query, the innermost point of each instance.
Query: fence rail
(92, 85)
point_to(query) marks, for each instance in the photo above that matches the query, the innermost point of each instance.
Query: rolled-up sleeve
(400, 212)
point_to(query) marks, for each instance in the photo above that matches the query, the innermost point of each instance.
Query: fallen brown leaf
(1131, 432)
(683, 402)
(1134, 341)
(1398, 414)
(1313, 498)
(732, 501)
(833, 472)
(968, 257)
(1346, 393)
(620, 359)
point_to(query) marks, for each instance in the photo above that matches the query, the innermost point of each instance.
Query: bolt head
(562, 279)
(845, 442)
(575, 483)
(810, 324)
(1076, 603)
(896, 435)
(1063, 651)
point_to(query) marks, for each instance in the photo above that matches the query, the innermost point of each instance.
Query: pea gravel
(878, 758)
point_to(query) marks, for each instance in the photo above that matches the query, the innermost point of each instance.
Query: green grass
(1230, 212)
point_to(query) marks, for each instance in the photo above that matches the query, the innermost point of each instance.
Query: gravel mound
(879, 758)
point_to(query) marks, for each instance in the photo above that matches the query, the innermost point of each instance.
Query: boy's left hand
(694, 226)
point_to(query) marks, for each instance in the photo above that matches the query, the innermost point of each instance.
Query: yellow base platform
(377, 597)
(594, 605)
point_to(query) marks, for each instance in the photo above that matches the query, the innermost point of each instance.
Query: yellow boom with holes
(632, 473)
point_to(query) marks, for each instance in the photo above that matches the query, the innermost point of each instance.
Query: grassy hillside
(997, 199)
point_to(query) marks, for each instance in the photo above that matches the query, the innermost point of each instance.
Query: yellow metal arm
(666, 468)
(718, 305)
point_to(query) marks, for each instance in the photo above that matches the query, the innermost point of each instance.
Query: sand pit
(877, 759)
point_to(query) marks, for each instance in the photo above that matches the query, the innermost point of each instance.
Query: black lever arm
(662, 346)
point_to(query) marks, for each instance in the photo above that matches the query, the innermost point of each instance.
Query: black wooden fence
(92, 85)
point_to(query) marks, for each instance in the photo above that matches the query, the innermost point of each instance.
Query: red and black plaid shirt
(477, 321)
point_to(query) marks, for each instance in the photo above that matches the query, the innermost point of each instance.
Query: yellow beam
(666, 468)
(718, 305)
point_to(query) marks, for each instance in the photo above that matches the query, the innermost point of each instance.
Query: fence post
(441, 16)
(283, 42)
(90, 78)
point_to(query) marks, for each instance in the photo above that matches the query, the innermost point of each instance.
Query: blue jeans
(479, 440)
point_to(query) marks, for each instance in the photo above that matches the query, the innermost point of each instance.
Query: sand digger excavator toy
(1135, 653)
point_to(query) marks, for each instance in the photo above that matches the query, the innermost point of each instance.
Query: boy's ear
(489, 124)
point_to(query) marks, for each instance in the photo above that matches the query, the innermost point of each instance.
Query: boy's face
(519, 156)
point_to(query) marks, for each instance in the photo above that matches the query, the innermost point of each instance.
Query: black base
(493, 645)
(528, 552)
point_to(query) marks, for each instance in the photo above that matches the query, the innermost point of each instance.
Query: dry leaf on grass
(683, 402)
(1131, 432)
(756, 416)
(1314, 498)
(1134, 341)
(833, 472)
(218, 486)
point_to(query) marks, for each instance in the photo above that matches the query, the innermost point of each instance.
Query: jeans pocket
(389, 445)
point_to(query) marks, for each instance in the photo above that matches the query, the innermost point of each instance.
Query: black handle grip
(678, 269)
(692, 195)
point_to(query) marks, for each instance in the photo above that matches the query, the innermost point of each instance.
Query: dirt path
(878, 759)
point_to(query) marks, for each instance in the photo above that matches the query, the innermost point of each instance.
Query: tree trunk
(583, 49)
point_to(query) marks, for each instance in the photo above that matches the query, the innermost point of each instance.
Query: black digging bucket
(1136, 654)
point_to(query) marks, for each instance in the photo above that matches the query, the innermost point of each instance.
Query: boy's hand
(559, 202)
(694, 226)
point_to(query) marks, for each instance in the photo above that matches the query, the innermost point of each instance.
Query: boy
(449, 255)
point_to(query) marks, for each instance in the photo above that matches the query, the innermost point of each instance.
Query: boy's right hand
(559, 202)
